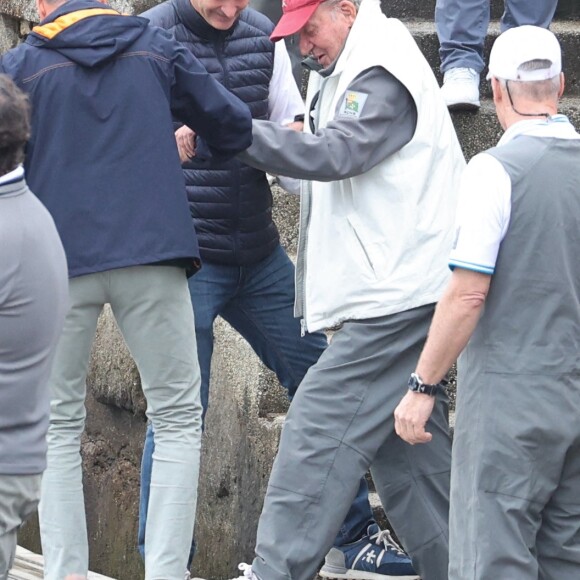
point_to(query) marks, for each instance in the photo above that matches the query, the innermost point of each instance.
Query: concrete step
(481, 130)
(425, 9)
(567, 31)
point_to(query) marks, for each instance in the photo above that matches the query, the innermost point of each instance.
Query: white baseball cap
(522, 44)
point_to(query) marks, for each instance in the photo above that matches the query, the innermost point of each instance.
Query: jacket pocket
(372, 251)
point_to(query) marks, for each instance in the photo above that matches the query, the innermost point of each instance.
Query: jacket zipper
(219, 49)
(306, 201)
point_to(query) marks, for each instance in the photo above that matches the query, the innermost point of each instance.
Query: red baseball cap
(295, 14)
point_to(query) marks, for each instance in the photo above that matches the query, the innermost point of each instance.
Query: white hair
(333, 3)
(540, 91)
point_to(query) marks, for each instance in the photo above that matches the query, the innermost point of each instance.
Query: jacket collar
(195, 22)
(12, 176)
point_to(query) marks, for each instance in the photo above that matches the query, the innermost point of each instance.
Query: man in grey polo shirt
(515, 475)
(33, 303)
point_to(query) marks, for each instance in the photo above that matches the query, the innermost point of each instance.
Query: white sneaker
(248, 574)
(460, 89)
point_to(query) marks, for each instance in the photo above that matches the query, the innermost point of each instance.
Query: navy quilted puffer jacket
(230, 202)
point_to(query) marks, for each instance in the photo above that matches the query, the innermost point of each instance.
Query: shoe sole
(473, 107)
(360, 575)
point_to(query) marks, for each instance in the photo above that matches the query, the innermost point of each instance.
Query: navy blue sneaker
(375, 556)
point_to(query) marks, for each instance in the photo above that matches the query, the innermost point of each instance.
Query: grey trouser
(515, 483)
(19, 495)
(340, 423)
(153, 310)
(462, 27)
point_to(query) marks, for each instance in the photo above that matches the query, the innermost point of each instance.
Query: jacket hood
(87, 32)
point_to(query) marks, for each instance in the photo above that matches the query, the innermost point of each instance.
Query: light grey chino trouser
(153, 310)
(19, 495)
(340, 423)
(515, 482)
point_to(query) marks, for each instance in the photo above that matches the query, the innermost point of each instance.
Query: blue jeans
(462, 27)
(258, 302)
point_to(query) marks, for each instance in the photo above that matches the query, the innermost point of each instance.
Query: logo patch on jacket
(353, 104)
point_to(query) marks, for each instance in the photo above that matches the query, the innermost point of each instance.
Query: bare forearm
(455, 319)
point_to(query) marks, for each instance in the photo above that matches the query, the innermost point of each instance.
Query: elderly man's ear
(496, 90)
(348, 10)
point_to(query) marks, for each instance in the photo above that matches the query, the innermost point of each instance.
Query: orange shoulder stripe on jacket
(51, 29)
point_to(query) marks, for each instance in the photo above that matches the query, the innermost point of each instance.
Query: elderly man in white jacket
(381, 163)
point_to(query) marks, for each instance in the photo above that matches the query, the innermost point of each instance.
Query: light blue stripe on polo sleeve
(471, 266)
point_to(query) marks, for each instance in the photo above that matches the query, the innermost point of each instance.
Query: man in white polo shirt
(515, 475)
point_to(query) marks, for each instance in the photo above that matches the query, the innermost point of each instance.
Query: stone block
(243, 424)
(481, 130)
(9, 36)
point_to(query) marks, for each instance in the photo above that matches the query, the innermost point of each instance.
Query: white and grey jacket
(381, 164)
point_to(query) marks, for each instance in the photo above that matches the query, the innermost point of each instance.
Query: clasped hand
(411, 416)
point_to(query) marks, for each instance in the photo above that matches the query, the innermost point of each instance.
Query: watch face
(417, 386)
(414, 383)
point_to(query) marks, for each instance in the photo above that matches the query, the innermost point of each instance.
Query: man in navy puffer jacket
(246, 278)
(103, 159)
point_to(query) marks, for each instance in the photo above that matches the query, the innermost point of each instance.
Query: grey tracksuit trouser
(340, 423)
(515, 483)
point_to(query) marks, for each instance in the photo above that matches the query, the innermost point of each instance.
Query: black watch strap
(417, 385)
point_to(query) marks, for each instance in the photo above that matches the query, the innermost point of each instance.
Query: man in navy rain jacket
(103, 159)
(247, 278)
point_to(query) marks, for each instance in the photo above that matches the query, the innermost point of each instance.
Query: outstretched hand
(411, 416)
(185, 138)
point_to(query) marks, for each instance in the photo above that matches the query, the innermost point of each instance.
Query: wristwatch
(417, 385)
